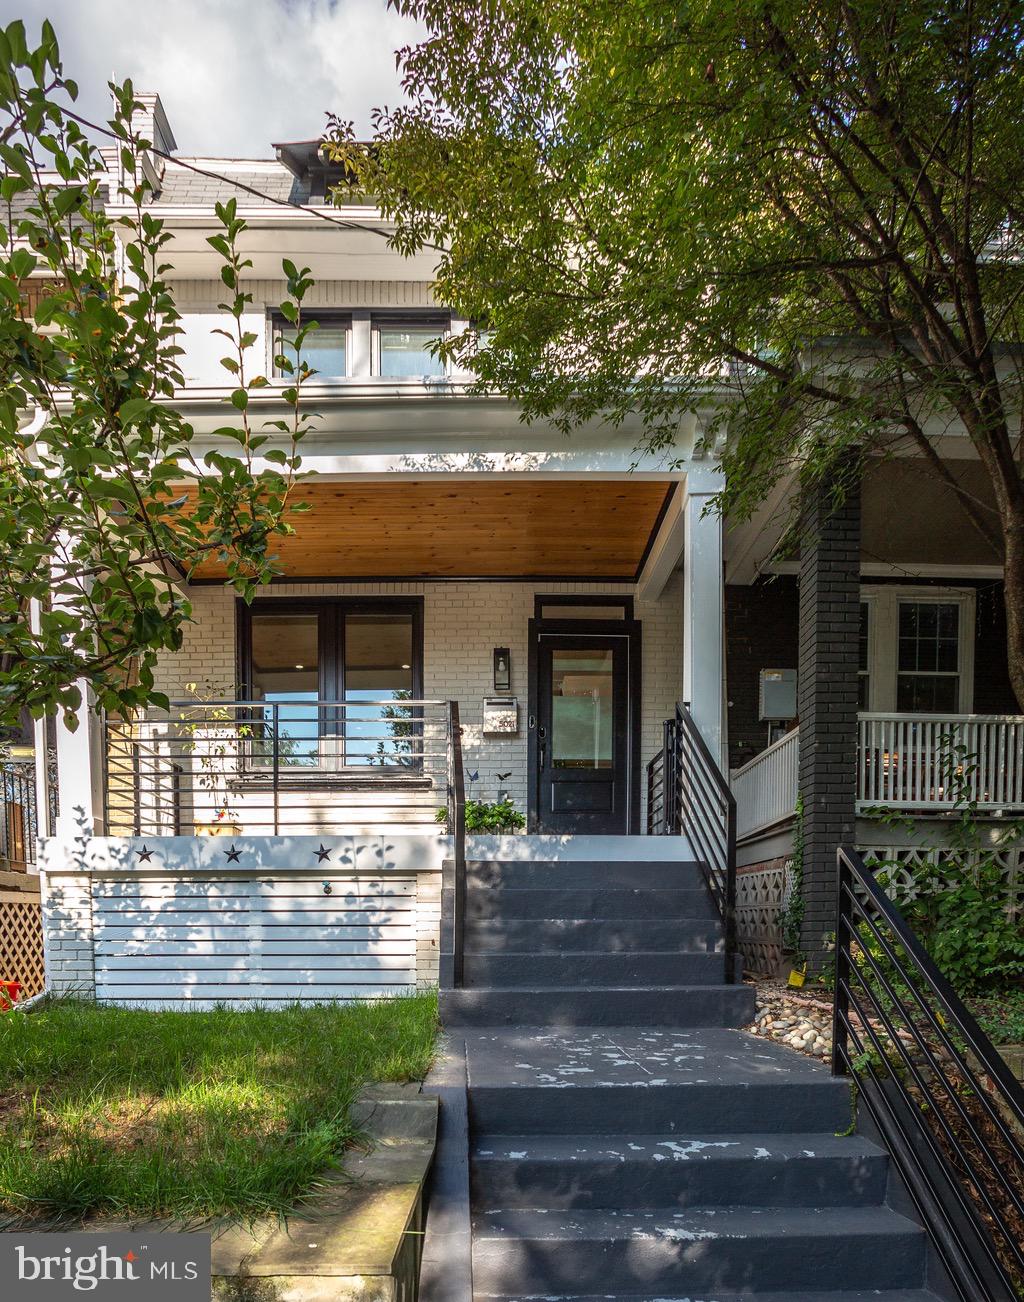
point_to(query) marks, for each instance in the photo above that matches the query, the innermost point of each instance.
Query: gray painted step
(528, 1250)
(630, 968)
(603, 1080)
(682, 1005)
(643, 1171)
(551, 935)
(588, 902)
(567, 872)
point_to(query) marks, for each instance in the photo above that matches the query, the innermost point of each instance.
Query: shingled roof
(180, 185)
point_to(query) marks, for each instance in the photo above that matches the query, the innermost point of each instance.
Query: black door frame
(629, 629)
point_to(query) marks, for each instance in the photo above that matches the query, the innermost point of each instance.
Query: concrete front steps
(626, 1141)
(642, 1163)
(578, 943)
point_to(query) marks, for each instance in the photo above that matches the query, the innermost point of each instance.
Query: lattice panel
(21, 945)
(900, 861)
(760, 897)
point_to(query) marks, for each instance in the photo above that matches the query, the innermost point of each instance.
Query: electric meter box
(777, 694)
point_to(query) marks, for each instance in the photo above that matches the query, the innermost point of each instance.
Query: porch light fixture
(502, 669)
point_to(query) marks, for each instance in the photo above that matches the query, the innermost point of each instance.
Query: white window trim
(379, 319)
(883, 635)
(332, 317)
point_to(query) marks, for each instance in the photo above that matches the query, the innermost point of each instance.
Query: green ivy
(791, 918)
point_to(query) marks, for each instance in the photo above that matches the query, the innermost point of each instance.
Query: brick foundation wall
(68, 934)
(462, 623)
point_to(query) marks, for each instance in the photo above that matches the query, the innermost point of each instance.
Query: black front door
(581, 724)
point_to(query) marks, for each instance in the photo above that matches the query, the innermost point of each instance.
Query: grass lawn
(190, 1114)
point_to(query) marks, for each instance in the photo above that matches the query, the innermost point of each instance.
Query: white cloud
(234, 75)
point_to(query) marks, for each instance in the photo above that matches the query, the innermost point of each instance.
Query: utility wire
(344, 223)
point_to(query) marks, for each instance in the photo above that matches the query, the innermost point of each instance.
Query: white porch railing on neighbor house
(932, 761)
(765, 788)
(925, 762)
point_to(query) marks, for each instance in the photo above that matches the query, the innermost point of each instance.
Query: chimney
(149, 121)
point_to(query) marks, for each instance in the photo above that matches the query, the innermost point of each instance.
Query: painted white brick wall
(462, 624)
(68, 934)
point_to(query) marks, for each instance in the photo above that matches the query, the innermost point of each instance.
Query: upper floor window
(325, 350)
(402, 346)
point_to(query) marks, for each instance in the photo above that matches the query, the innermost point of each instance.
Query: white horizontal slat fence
(200, 940)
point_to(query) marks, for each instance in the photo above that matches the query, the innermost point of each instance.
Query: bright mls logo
(55, 1267)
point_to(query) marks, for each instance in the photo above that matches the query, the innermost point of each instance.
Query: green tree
(801, 218)
(96, 532)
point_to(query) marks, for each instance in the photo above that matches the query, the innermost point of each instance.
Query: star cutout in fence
(232, 854)
(145, 854)
(322, 854)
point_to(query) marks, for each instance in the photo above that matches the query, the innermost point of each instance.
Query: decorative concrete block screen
(761, 891)
(21, 933)
(180, 928)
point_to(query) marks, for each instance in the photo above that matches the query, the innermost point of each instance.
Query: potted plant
(491, 816)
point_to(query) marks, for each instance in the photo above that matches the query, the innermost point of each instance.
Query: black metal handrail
(267, 767)
(948, 1107)
(457, 831)
(18, 820)
(693, 799)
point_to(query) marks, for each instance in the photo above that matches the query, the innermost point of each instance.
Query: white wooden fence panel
(921, 761)
(765, 789)
(205, 940)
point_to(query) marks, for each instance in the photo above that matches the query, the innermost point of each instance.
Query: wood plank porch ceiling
(582, 528)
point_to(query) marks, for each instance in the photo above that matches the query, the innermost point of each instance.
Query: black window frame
(331, 613)
(327, 317)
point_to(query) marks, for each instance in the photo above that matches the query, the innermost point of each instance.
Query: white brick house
(444, 535)
(311, 730)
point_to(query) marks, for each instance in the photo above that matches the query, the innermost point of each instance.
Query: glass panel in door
(582, 732)
(286, 674)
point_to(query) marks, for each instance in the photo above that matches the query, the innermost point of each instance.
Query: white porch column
(80, 772)
(80, 803)
(704, 609)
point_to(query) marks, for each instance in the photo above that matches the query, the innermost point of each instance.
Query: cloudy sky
(234, 75)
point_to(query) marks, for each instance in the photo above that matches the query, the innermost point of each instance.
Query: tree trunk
(1013, 577)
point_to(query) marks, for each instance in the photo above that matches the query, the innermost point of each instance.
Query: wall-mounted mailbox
(500, 715)
(777, 694)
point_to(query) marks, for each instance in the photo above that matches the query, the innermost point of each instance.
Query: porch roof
(474, 528)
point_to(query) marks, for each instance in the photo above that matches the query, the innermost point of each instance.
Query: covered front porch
(559, 618)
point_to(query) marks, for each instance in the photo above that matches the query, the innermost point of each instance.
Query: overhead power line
(345, 223)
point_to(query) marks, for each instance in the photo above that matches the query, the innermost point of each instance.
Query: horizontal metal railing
(687, 795)
(950, 1111)
(262, 767)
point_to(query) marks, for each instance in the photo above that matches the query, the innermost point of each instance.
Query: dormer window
(402, 345)
(325, 350)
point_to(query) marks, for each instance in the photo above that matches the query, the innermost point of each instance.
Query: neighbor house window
(403, 346)
(916, 649)
(326, 348)
(928, 657)
(864, 658)
(336, 677)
